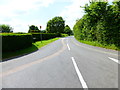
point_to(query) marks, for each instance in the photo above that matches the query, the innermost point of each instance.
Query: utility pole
(41, 34)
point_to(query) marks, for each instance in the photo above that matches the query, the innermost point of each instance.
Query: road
(65, 63)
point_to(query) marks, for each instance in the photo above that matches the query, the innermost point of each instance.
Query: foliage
(100, 23)
(44, 36)
(33, 29)
(14, 42)
(17, 41)
(14, 34)
(20, 33)
(56, 25)
(43, 31)
(64, 35)
(38, 44)
(35, 46)
(5, 28)
(67, 30)
(96, 43)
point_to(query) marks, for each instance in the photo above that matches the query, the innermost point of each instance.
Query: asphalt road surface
(65, 63)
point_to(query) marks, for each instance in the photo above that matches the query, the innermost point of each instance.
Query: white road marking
(84, 85)
(115, 60)
(68, 47)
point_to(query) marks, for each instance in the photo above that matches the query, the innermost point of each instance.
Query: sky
(20, 14)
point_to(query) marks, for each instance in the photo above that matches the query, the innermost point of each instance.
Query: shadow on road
(19, 53)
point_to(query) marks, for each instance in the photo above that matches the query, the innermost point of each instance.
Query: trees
(116, 21)
(100, 23)
(5, 28)
(34, 29)
(77, 29)
(67, 30)
(56, 25)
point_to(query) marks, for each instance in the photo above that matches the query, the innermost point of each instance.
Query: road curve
(65, 63)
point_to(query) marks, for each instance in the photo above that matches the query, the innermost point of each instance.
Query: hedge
(13, 42)
(16, 41)
(64, 35)
(44, 36)
(101, 23)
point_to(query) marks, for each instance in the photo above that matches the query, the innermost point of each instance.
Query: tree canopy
(67, 30)
(56, 25)
(5, 28)
(101, 23)
(34, 29)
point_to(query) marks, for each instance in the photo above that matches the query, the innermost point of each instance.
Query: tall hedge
(16, 41)
(44, 36)
(101, 23)
(13, 42)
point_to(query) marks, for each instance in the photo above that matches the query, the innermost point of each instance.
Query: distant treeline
(101, 23)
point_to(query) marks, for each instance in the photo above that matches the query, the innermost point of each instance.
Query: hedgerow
(13, 42)
(17, 41)
(100, 23)
(44, 36)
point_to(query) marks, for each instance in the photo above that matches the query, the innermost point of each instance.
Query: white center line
(115, 60)
(68, 47)
(84, 85)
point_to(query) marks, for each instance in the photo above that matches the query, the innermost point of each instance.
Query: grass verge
(95, 43)
(35, 46)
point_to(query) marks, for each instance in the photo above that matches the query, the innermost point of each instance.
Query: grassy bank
(35, 46)
(95, 43)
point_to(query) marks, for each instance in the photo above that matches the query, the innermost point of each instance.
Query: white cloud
(23, 6)
(73, 11)
(10, 10)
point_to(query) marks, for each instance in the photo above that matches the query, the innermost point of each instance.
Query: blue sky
(19, 14)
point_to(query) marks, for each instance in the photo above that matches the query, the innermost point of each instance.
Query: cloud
(11, 10)
(12, 6)
(72, 12)
(21, 13)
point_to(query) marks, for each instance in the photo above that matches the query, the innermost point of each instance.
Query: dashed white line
(84, 85)
(115, 60)
(68, 47)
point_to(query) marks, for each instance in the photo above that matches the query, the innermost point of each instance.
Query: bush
(100, 23)
(13, 42)
(64, 35)
(44, 36)
(16, 41)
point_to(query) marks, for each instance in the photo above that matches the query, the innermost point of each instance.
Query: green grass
(40, 44)
(35, 46)
(95, 43)
(13, 34)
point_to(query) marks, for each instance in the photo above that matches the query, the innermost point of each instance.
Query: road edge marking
(115, 60)
(84, 85)
(68, 47)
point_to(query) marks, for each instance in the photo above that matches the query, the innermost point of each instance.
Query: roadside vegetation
(100, 26)
(98, 44)
(17, 44)
(20, 43)
(5, 28)
(34, 47)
